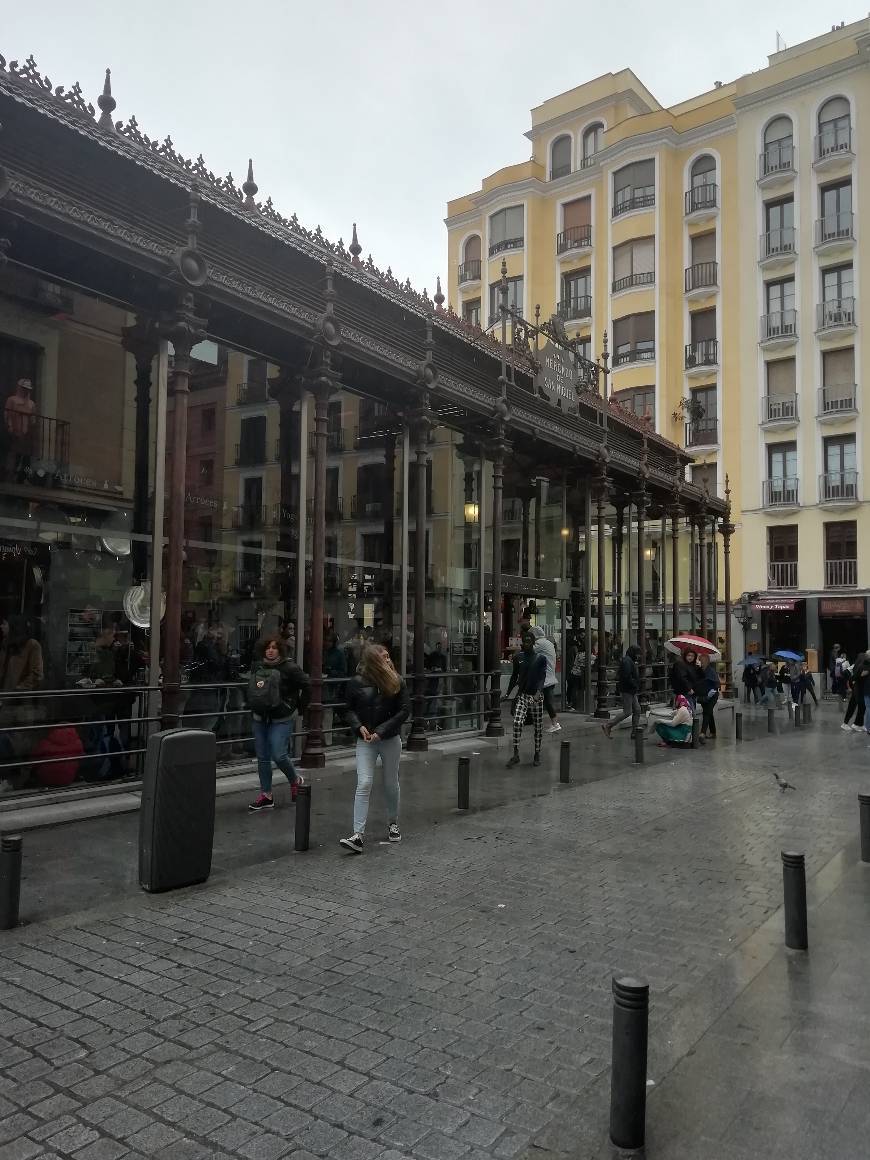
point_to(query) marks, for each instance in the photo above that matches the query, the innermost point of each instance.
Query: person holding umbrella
(686, 676)
(750, 680)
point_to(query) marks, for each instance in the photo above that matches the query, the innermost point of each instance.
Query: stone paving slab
(450, 996)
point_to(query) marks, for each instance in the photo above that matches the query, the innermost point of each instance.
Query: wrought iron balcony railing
(702, 433)
(781, 491)
(781, 324)
(574, 238)
(701, 276)
(835, 227)
(833, 138)
(778, 243)
(841, 573)
(779, 408)
(777, 157)
(506, 244)
(702, 197)
(334, 441)
(628, 199)
(703, 353)
(469, 271)
(644, 278)
(782, 574)
(836, 314)
(578, 306)
(838, 486)
(836, 399)
(252, 393)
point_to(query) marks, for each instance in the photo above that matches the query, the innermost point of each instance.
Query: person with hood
(808, 684)
(547, 649)
(277, 687)
(709, 698)
(531, 675)
(678, 731)
(832, 667)
(377, 707)
(686, 678)
(860, 674)
(750, 683)
(628, 686)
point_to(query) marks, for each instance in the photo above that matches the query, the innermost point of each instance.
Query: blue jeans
(270, 744)
(367, 753)
(866, 711)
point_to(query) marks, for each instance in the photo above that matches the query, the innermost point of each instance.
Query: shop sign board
(773, 604)
(841, 606)
(556, 378)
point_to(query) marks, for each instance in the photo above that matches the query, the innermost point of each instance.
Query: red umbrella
(699, 644)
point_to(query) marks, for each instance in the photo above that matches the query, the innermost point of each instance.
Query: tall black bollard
(807, 712)
(738, 726)
(638, 747)
(794, 893)
(864, 813)
(696, 733)
(10, 880)
(303, 818)
(628, 1066)
(463, 783)
(565, 762)
(771, 719)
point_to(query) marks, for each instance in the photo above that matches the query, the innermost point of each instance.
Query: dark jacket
(712, 683)
(684, 678)
(531, 670)
(628, 676)
(295, 688)
(380, 713)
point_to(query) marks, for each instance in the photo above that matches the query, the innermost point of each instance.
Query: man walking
(628, 684)
(547, 649)
(531, 673)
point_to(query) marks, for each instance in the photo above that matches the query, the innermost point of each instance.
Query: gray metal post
(463, 783)
(738, 726)
(638, 747)
(807, 713)
(864, 812)
(10, 880)
(696, 733)
(565, 762)
(629, 1060)
(794, 892)
(771, 719)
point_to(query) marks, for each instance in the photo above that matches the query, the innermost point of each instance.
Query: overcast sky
(379, 111)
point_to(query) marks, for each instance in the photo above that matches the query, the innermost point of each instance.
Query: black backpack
(264, 690)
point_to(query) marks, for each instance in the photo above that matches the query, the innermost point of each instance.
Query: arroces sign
(555, 380)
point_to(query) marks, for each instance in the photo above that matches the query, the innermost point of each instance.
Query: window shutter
(703, 248)
(577, 213)
(838, 367)
(781, 377)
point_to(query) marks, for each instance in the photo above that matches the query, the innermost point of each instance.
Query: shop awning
(773, 604)
(841, 606)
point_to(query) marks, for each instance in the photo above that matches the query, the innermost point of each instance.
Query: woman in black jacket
(376, 708)
(276, 689)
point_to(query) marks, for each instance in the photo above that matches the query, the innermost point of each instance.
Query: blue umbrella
(785, 654)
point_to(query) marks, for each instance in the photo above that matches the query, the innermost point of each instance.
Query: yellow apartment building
(718, 244)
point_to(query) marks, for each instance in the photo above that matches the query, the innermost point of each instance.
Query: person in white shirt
(547, 649)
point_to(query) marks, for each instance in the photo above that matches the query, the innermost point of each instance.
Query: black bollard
(696, 733)
(565, 762)
(864, 813)
(796, 713)
(463, 783)
(628, 1066)
(794, 892)
(771, 719)
(738, 726)
(10, 880)
(638, 747)
(807, 712)
(303, 818)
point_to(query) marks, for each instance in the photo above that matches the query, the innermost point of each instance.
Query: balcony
(838, 488)
(778, 328)
(574, 238)
(40, 457)
(334, 441)
(512, 511)
(779, 411)
(836, 317)
(362, 507)
(777, 247)
(253, 455)
(507, 244)
(834, 232)
(334, 509)
(469, 271)
(247, 517)
(646, 278)
(558, 171)
(373, 429)
(701, 354)
(702, 433)
(782, 574)
(627, 200)
(781, 493)
(249, 582)
(247, 393)
(701, 278)
(841, 573)
(838, 402)
(702, 201)
(634, 354)
(575, 309)
(833, 143)
(777, 164)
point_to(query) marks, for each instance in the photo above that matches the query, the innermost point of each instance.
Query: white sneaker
(857, 728)
(848, 728)
(555, 728)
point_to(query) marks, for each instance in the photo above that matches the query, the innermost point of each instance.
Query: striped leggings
(524, 703)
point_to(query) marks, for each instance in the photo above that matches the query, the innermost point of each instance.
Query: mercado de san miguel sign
(556, 378)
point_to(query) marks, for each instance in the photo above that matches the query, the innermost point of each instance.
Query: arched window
(703, 171)
(469, 269)
(560, 157)
(592, 142)
(835, 128)
(778, 154)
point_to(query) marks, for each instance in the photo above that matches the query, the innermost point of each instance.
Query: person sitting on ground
(628, 685)
(532, 672)
(677, 732)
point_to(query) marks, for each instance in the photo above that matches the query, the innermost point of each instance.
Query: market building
(316, 449)
(718, 243)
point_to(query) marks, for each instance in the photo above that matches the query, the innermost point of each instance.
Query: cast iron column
(727, 533)
(389, 576)
(539, 491)
(702, 571)
(617, 573)
(640, 500)
(663, 577)
(525, 494)
(321, 386)
(693, 580)
(498, 446)
(601, 493)
(676, 513)
(420, 425)
(141, 342)
(184, 330)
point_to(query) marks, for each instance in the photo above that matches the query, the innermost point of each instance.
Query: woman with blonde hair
(377, 706)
